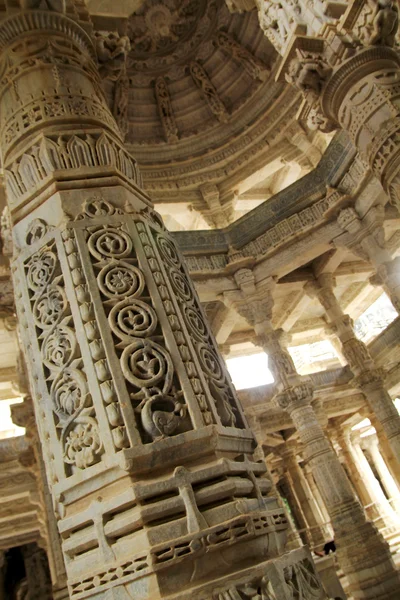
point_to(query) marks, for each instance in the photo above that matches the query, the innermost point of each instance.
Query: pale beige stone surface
(155, 481)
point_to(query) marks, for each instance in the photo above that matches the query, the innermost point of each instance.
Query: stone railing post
(146, 447)
(368, 377)
(294, 394)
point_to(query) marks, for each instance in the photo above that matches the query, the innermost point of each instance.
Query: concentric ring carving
(120, 280)
(168, 251)
(181, 285)
(132, 318)
(146, 364)
(110, 243)
(211, 364)
(195, 323)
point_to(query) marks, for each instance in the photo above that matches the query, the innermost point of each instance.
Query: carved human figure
(385, 22)
(112, 52)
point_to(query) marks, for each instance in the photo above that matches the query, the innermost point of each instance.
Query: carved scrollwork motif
(36, 231)
(132, 318)
(50, 307)
(59, 348)
(70, 393)
(41, 270)
(62, 363)
(145, 363)
(217, 378)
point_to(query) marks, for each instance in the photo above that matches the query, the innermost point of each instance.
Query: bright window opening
(308, 355)
(249, 371)
(7, 428)
(375, 319)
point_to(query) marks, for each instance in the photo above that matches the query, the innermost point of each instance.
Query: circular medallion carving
(121, 280)
(181, 285)
(195, 323)
(132, 318)
(110, 243)
(168, 251)
(211, 364)
(146, 364)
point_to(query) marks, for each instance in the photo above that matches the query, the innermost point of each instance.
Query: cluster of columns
(354, 534)
(367, 376)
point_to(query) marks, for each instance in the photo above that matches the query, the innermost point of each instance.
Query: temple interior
(199, 300)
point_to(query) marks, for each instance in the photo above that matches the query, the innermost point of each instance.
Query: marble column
(385, 448)
(23, 416)
(374, 576)
(148, 455)
(367, 376)
(318, 499)
(388, 517)
(295, 507)
(355, 470)
(371, 443)
(317, 533)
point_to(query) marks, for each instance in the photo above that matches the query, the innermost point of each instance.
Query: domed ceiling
(200, 102)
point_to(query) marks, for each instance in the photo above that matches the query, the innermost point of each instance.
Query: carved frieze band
(57, 153)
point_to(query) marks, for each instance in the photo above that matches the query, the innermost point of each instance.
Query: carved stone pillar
(392, 491)
(368, 377)
(354, 468)
(294, 395)
(298, 515)
(388, 517)
(317, 533)
(318, 498)
(366, 238)
(385, 448)
(348, 72)
(148, 455)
